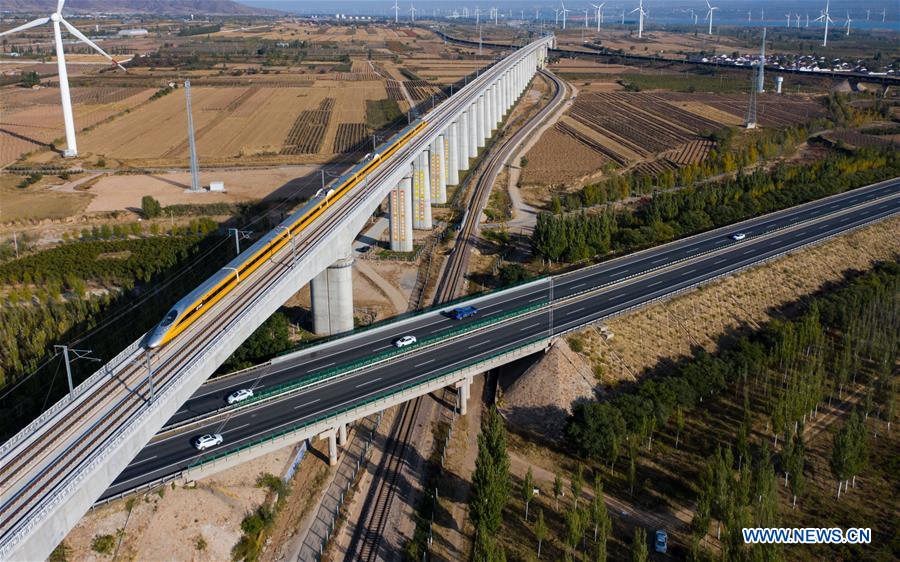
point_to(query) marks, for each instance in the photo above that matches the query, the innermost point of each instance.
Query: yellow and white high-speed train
(187, 310)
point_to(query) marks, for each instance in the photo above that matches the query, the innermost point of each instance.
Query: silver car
(240, 395)
(204, 442)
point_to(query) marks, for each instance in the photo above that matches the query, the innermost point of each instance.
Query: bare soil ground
(671, 329)
(166, 523)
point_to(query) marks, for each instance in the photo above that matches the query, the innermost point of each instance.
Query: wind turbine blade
(59, 6)
(84, 39)
(29, 25)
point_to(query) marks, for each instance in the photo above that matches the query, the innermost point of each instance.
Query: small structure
(778, 81)
(217, 186)
(131, 32)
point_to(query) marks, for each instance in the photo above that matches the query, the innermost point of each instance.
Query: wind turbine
(56, 18)
(586, 11)
(883, 14)
(623, 17)
(827, 19)
(599, 14)
(798, 20)
(748, 16)
(807, 19)
(848, 23)
(641, 14)
(412, 12)
(496, 13)
(867, 14)
(477, 16)
(396, 9)
(564, 11)
(788, 19)
(709, 15)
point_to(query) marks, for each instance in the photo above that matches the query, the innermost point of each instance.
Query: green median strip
(334, 414)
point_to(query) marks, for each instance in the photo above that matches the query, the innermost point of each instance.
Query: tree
(512, 273)
(577, 483)
(30, 79)
(490, 481)
(795, 466)
(679, 423)
(150, 207)
(540, 530)
(557, 489)
(600, 519)
(595, 430)
(639, 552)
(527, 490)
(574, 527)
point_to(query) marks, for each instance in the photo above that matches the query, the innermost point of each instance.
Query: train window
(170, 317)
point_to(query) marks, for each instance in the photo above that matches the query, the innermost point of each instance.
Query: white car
(240, 395)
(405, 341)
(738, 236)
(206, 441)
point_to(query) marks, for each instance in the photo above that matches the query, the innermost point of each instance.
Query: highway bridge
(55, 469)
(317, 390)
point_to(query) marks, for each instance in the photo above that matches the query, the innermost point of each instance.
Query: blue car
(462, 312)
(662, 541)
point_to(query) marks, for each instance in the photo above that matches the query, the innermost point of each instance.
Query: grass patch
(381, 113)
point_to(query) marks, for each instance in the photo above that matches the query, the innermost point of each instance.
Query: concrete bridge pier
(342, 435)
(481, 123)
(462, 138)
(453, 166)
(331, 293)
(472, 125)
(331, 435)
(401, 216)
(463, 389)
(438, 171)
(422, 192)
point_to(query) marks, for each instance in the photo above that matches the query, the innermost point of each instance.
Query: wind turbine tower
(709, 15)
(396, 9)
(641, 14)
(192, 143)
(56, 19)
(564, 12)
(848, 23)
(599, 14)
(826, 19)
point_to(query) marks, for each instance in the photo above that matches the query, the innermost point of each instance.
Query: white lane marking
(368, 382)
(236, 428)
(529, 327)
(620, 273)
(654, 284)
(574, 311)
(687, 272)
(142, 460)
(666, 258)
(480, 344)
(425, 363)
(536, 298)
(750, 251)
(307, 403)
(320, 368)
(578, 285)
(723, 260)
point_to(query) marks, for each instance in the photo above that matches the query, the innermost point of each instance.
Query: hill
(155, 7)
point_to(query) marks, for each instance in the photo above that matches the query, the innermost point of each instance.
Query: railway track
(40, 467)
(380, 499)
(458, 262)
(378, 504)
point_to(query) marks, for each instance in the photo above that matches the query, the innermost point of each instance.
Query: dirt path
(677, 521)
(396, 298)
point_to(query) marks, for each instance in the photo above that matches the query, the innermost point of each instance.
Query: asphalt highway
(613, 286)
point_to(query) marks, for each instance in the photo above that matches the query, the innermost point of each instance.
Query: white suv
(240, 395)
(738, 236)
(405, 341)
(206, 441)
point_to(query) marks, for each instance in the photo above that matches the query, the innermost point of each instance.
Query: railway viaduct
(56, 468)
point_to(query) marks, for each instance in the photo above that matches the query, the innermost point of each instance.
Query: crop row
(308, 131)
(350, 137)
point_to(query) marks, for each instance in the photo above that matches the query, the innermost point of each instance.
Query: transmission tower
(195, 168)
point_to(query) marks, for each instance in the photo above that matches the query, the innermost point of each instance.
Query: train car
(193, 305)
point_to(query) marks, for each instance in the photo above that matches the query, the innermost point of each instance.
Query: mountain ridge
(154, 7)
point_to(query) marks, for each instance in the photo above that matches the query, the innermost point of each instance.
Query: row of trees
(725, 158)
(672, 214)
(790, 365)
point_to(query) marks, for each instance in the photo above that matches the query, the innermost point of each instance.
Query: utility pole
(195, 168)
(238, 235)
(150, 377)
(79, 354)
